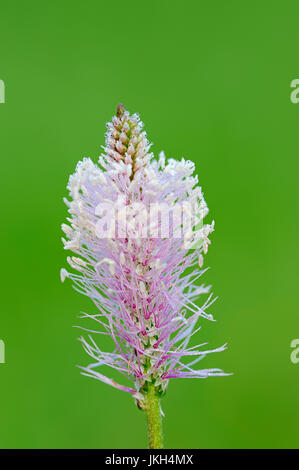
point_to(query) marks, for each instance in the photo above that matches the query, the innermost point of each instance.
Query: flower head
(136, 225)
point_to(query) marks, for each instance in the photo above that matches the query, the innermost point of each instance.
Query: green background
(211, 81)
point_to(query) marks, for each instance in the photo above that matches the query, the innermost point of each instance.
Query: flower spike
(136, 229)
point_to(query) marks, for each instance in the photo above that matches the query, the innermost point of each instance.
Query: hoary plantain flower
(137, 233)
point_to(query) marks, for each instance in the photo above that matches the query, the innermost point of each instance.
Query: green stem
(154, 420)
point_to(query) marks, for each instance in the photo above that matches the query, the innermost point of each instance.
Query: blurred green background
(211, 81)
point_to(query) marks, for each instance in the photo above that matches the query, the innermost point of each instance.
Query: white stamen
(63, 274)
(110, 262)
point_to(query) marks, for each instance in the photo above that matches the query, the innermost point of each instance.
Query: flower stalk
(154, 419)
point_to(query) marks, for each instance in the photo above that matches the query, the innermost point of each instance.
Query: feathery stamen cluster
(145, 302)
